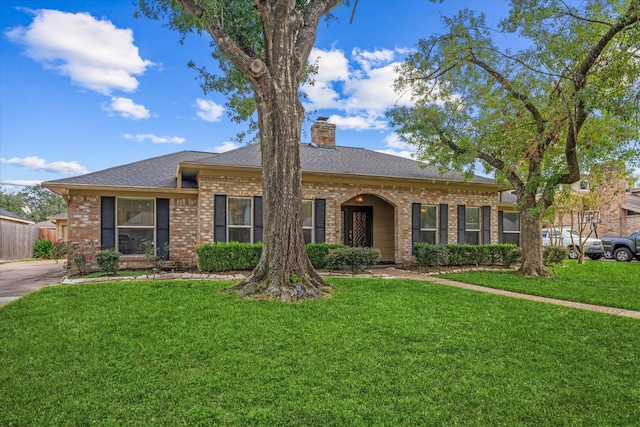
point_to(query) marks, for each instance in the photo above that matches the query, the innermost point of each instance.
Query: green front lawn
(613, 284)
(378, 352)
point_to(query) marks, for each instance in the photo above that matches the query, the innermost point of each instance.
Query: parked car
(571, 239)
(623, 248)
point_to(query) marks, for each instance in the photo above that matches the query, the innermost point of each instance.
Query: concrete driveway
(21, 277)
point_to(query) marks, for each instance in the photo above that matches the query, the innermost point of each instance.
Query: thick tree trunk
(284, 271)
(531, 237)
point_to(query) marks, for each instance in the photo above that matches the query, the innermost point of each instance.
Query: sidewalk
(599, 308)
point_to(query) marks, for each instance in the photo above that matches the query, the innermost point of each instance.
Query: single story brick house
(353, 196)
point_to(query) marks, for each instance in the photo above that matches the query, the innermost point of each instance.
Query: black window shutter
(162, 228)
(320, 219)
(415, 225)
(486, 225)
(443, 227)
(461, 224)
(108, 222)
(500, 227)
(220, 218)
(257, 219)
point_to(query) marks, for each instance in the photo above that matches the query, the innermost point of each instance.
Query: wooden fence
(16, 240)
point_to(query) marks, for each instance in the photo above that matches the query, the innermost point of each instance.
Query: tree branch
(506, 84)
(227, 46)
(580, 82)
(307, 34)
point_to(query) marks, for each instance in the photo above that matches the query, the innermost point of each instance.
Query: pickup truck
(623, 248)
(571, 240)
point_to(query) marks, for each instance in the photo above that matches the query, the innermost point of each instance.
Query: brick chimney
(323, 134)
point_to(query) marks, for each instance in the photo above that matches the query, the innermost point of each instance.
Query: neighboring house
(17, 236)
(618, 213)
(6, 216)
(351, 195)
(61, 227)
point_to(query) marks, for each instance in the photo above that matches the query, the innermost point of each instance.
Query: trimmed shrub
(468, 254)
(431, 255)
(553, 255)
(356, 259)
(506, 254)
(108, 260)
(43, 249)
(221, 256)
(318, 253)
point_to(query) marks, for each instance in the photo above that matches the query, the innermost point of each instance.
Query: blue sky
(85, 86)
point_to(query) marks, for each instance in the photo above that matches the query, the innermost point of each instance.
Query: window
(472, 225)
(428, 223)
(135, 221)
(307, 220)
(239, 219)
(511, 227)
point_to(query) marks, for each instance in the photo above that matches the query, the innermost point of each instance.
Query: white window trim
(118, 227)
(313, 219)
(250, 226)
(479, 229)
(437, 220)
(519, 226)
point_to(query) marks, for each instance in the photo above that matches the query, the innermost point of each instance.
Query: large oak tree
(263, 47)
(538, 116)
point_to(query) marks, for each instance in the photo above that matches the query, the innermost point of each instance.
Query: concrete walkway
(18, 278)
(591, 307)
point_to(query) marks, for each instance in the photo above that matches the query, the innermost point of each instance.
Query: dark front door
(357, 226)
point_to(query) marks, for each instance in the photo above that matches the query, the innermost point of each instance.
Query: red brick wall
(400, 198)
(191, 219)
(84, 226)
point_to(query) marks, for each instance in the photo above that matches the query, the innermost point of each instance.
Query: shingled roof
(156, 172)
(160, 171)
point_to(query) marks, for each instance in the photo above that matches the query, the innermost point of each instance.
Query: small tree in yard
(579, 209)
(536, 117)
(571, 209)
(263, 47)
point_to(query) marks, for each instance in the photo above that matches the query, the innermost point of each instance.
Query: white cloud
(401, 153)
(36, 163)
(397, 147)
(394, 141)
(357, 122)
(333, 67)
(20, 182)
(369, 59)
(361, 87)
(225, 146)
(140, 137)
(94, 54)
(209, 110)
(126, 108)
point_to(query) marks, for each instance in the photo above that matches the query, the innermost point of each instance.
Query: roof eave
(63, 189)
(406, 181)
(310, 175)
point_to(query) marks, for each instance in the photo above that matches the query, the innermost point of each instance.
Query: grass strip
(612, 284)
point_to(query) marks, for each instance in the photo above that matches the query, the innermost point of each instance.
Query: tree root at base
(263, 286)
